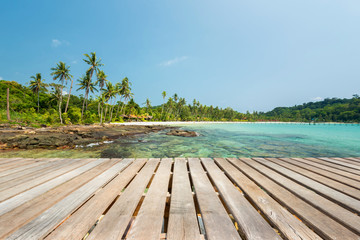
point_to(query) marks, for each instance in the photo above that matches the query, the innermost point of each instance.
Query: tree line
(101, 100)
(104, 101)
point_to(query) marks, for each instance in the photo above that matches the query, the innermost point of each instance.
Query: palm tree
(89, 86)
(55, 92)
(109, 93)
(164, 96)
(94, 63)
(36, 85)
(101, 81)
(68, 100)
(148, 105)
(127, 96)
(62, 73)
(125, 92)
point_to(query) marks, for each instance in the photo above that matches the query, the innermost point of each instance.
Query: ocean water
(226, 140)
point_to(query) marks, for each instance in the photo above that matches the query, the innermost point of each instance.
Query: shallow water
(226, 140)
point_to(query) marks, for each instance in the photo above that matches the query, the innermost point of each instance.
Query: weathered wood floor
(287, 198)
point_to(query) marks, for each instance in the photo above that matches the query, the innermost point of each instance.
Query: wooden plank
(251, 223)
(342, 163)
(116, 220)
(323, 225)
(218, 224)
(348, 181)
(15, 164)
(21, 215)
(27, 175)
(40, 179)
(183, 223)
(48, 220)
(148, 222)
(79, 223)
(353, 161)
(328, 168)
(288, 225)
(321, 179)
(37, 162)
(23, 197)
(340, 198)
(7, 160)
(332, 209)
(337, 166)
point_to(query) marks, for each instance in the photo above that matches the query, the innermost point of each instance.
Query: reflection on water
(226, 140)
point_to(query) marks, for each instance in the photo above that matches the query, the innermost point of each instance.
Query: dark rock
(68, 136)
(182, 133)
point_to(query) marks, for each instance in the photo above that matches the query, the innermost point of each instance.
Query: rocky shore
(68, 136)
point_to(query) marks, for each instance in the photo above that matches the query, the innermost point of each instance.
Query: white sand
(184, 123)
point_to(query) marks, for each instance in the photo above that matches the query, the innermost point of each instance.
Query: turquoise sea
(227, 140)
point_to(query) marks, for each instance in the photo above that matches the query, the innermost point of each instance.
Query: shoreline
(208, 122)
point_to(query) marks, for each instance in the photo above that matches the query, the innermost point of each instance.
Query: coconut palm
(109, 93)
(88, 86)
(148, 105)
(124, 92)
(36, 86)
(94, 63)
(127, 96)
(68, 100)
(62, 73)
(55, 92)
(101, 81)
(164, 96)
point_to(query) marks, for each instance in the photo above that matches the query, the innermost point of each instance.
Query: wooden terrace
(259, 198)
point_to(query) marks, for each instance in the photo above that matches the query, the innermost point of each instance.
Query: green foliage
(74, 114)
(23, 108)
(328, 110)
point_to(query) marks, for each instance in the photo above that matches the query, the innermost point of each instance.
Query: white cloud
(1, 78)
(316, 99)
(173, 61)
(56, 43)
(64, 92)
(74, 62)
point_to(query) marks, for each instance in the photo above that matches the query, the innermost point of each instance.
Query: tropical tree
(69, 95)
(101, 81)
(124, 92)
(95, 63)
(62, 73)
(36, 85)
(164, 96)
(109, 93)
(127, 96)
(88, 86)
(148, 105)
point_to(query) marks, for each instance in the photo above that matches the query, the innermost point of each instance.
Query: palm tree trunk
(112, 109)
(83, 106)
(8, 104)
(99, 109)
(122, 107)
(106, 108)
(68, 100)
(38, 102)
(60, 101)
(117, 111)
(101, 117)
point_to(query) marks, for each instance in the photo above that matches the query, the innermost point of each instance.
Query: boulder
(182, 133)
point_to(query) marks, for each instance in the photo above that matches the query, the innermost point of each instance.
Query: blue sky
(249, 55)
